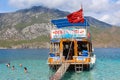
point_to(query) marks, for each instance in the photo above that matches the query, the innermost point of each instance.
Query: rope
(69, 51)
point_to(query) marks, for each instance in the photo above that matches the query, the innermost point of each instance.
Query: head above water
(25, 69)
(13, 67)
(8, 64)
(20, 65)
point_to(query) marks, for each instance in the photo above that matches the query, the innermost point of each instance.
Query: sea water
(107, 65)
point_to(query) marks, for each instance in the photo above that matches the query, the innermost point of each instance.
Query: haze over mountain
(32, 23)
(38, 14)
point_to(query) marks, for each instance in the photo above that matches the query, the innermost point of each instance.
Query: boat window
(54, 49)
(81, 46)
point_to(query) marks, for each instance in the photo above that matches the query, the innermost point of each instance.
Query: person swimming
(20, 65)
(13, 67)
(25, 70)
(8, 65)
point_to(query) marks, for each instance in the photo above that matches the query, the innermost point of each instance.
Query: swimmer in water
(20, 65)
(8, 65)
(13, 67)
(25, 70)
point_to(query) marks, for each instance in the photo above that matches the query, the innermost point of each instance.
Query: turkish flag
(76, 17)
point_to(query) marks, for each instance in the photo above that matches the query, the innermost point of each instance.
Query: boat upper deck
(67, 30)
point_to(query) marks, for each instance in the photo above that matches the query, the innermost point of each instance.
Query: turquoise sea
(107, 65)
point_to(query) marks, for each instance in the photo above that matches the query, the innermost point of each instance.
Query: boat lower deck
(72, 66)
(86, 63)
(62, 68)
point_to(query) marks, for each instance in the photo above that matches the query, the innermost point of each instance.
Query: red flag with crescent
(76, 17)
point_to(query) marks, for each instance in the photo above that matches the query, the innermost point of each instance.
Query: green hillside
(38, 42)
(29, 28)
(106, 37)
(101, 37)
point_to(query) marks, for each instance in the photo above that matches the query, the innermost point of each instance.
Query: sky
(104, 10)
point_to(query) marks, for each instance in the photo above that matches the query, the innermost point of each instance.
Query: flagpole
(81, 6)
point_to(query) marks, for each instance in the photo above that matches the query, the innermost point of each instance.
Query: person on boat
(79, 53)
(84, 46)
(25, 70)
(65, 51)
(8, 65)
(13, 67)
(79, 50)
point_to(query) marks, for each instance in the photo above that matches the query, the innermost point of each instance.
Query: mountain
(26, 17)
(38, 14)
(30, 27)
(27, 23)
(97, 23)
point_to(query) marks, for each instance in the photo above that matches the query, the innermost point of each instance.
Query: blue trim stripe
(65, 23)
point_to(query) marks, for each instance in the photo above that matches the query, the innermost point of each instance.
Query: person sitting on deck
(79, 53)
(84, 47)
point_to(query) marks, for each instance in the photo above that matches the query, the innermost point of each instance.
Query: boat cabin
(67, 44)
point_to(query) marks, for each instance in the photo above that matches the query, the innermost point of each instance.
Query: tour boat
(71, 46)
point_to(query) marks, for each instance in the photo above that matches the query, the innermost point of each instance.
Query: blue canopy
(65, 23)
(55, 40)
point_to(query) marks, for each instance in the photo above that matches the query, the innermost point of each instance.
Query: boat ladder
(79, 67)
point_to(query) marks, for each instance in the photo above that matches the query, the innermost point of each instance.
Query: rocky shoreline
(46, 45)
(28, 46)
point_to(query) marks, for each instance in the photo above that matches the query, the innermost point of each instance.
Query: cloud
(105, 10)
(105, 17)
(29, 3)
(112, 18)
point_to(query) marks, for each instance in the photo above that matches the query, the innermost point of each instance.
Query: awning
(65, 23)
